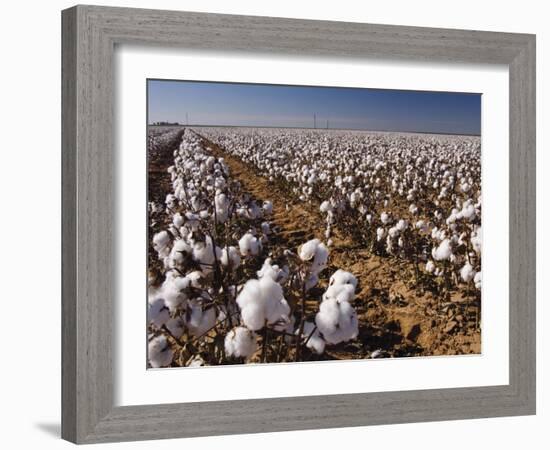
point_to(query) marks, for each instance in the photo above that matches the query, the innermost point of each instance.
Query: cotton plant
(410, 197)
(249, 245)
(314, 255)
(240, 342)
(337, 321)
(262, 303)
(159, 352)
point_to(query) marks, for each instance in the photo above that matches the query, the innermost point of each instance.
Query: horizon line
(320, 129)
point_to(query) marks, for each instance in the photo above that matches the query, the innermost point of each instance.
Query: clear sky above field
(257, 105)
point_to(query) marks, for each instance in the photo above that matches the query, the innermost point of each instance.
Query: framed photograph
(278, 224)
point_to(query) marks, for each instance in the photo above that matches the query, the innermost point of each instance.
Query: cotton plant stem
(310, 335)
(264, 343)
(302, 320)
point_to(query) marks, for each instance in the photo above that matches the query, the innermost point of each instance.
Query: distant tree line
(165, 124)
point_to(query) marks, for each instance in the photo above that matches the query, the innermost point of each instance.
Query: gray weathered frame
(89, 36)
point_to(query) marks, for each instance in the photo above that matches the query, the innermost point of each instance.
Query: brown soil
(398, 315)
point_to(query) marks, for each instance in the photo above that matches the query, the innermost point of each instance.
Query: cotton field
(278, 245)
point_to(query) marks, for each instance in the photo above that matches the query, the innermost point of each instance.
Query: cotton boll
(343, 277)
(325, 207)
(192, 220)
(476, 240)
(240, 342)
(172, 290)
(337, 321)
(316, 252)
(307, 250)
(196, 361)
(267, 208)
(200, 320)
(311, 281)
(262, 301)
(205, 254)
(271, 270)
(442, 252)
(158, 313)
(314, 341)
(196, 279)
(468, 212)
(380, 234)
(175, 326)
(430, 267)
(222, 207)
(177, 220)
(253, 211)
(385, 218)
(266, 229)
(467, 273)
(253, 315)
(320, 260)
(393, 232)
(402, 225)
(477, 280)
(340, 292)
(230, 257)
(249, 245)
(159, 352)
(178, 254)
(161, 241)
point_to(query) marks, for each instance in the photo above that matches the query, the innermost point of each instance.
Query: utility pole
(186, 118)
(314, 121)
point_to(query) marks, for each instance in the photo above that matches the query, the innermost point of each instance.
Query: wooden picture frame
(90, 34)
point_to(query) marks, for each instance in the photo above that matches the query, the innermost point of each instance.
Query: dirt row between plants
(396, 317)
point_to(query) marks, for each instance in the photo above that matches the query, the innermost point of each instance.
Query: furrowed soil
(398, 314)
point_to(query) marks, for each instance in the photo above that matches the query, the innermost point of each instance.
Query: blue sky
(257, 105)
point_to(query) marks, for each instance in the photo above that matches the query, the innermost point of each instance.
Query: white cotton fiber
(230, 257)
(172, 291)
(205, 254)
(340, 292)
(343, 277)
(442, 252)
(316, 252)
(315, 343)
(200, 320)
(240, 342)
(477, 280)
(307, 250)
(402, 225)
(270, 270)
(158, 313)
(476, 240)
(467, 273)
(430, 267)
(161, 241)
(267, 208)
(325, 207)
(159, 352)
(311, 281)
(175, 326)
(261, 301)
(337, 321)
(249, 245)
